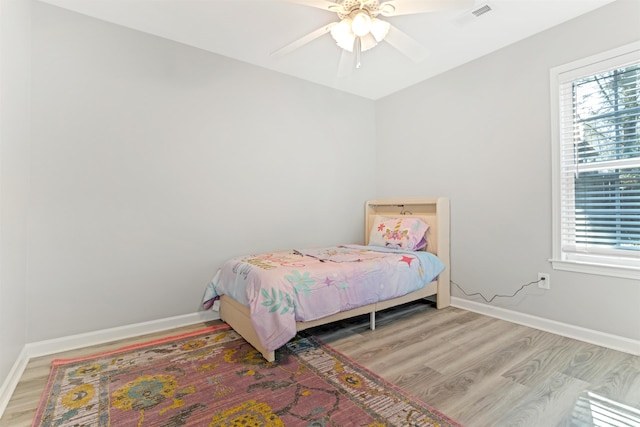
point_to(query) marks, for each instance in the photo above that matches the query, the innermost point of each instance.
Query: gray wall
(484, 129)
(152, 162)
(14, 177)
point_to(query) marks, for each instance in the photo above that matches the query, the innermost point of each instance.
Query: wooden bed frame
(434, 211)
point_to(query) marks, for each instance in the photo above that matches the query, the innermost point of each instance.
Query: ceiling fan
(359, 28)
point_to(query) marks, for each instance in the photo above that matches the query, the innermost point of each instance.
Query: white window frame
(601, 264)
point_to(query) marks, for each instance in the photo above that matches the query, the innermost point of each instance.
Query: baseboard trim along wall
(58, 345)
(602, 339)
(10, 383)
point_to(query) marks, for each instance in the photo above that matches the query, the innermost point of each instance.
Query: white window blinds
(599, 162)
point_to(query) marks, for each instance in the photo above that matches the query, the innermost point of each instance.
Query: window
(596, 164)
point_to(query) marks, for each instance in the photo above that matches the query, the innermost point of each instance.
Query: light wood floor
(478, 370)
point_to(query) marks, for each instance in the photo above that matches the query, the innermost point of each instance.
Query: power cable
(497, 295)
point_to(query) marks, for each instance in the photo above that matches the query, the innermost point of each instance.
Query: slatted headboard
(434, 211)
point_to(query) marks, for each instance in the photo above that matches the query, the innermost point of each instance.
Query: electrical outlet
(543, 281)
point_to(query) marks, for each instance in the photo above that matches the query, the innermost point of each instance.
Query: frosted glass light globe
(361, 24)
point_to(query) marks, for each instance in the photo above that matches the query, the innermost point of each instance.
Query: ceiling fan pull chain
(358, 48)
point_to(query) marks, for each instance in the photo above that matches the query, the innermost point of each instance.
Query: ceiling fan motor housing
(350, 7)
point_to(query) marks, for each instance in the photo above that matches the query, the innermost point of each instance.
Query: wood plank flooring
(478, 370)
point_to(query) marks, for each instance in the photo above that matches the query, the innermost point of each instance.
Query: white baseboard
(10, 383)
(57, 345)
(603, 339)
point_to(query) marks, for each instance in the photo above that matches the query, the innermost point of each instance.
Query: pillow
(398, 232)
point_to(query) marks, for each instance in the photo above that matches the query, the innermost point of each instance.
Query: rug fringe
(58, 362)
(373, 374)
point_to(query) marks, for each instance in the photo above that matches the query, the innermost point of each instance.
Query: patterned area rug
(214, 377)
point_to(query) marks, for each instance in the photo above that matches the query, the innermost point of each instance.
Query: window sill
(598, 269)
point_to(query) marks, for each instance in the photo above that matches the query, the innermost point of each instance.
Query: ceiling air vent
(470, 16)
(481, 10)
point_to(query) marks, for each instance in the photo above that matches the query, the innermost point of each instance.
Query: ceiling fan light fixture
(342, 34)
(361, 24)
(379, 29)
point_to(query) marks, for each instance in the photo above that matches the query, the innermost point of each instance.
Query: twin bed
(267, 297)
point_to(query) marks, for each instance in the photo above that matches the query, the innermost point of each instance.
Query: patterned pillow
(398, 232)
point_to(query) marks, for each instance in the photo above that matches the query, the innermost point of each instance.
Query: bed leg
(270, 356)
(372, 320)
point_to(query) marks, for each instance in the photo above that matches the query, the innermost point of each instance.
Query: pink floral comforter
(281, 288)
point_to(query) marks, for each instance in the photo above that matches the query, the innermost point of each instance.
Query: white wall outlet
(543, 281)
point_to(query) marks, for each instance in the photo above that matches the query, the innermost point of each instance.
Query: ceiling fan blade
(330, 6)
(347, 64)
(408, 7)
(303, 40)
(406, 44)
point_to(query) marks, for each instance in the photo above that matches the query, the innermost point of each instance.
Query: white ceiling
(250, 30)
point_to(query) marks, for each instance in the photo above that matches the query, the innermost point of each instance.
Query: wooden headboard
(434, 211)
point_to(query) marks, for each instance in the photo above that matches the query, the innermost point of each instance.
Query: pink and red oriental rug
(214, 377)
